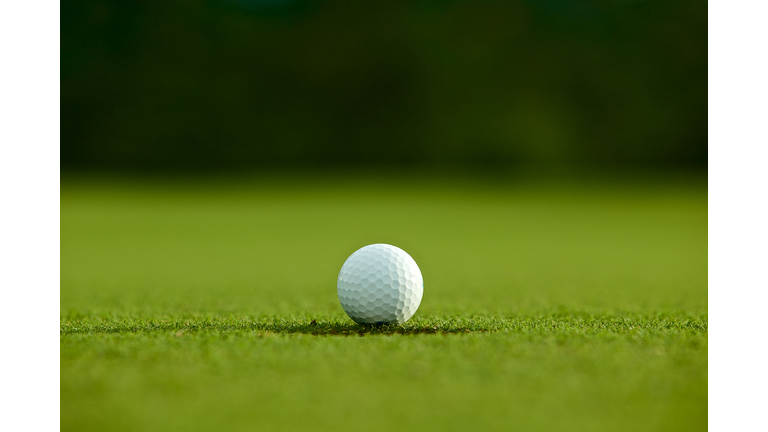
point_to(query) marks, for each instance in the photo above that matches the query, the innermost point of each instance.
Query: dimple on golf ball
(380, 284)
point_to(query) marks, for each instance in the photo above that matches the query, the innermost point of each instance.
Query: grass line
(559, 325)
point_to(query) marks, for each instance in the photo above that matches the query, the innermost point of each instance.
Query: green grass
(201, 305)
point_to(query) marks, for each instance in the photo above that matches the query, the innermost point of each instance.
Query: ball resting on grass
(380, 284)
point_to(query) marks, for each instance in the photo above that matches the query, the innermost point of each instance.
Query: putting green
(547, 306)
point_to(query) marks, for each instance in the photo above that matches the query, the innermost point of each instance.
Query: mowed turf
(211, 305)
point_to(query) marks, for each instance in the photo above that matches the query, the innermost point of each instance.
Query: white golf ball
(380, 284)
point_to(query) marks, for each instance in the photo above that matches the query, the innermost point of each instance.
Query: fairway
(210, 304)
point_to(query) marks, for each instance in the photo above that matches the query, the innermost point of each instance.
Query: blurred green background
(253, 84)
(543, 161)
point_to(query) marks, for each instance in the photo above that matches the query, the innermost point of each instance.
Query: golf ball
(380, 284)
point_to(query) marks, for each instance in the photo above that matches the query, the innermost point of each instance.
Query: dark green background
(243, 84)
